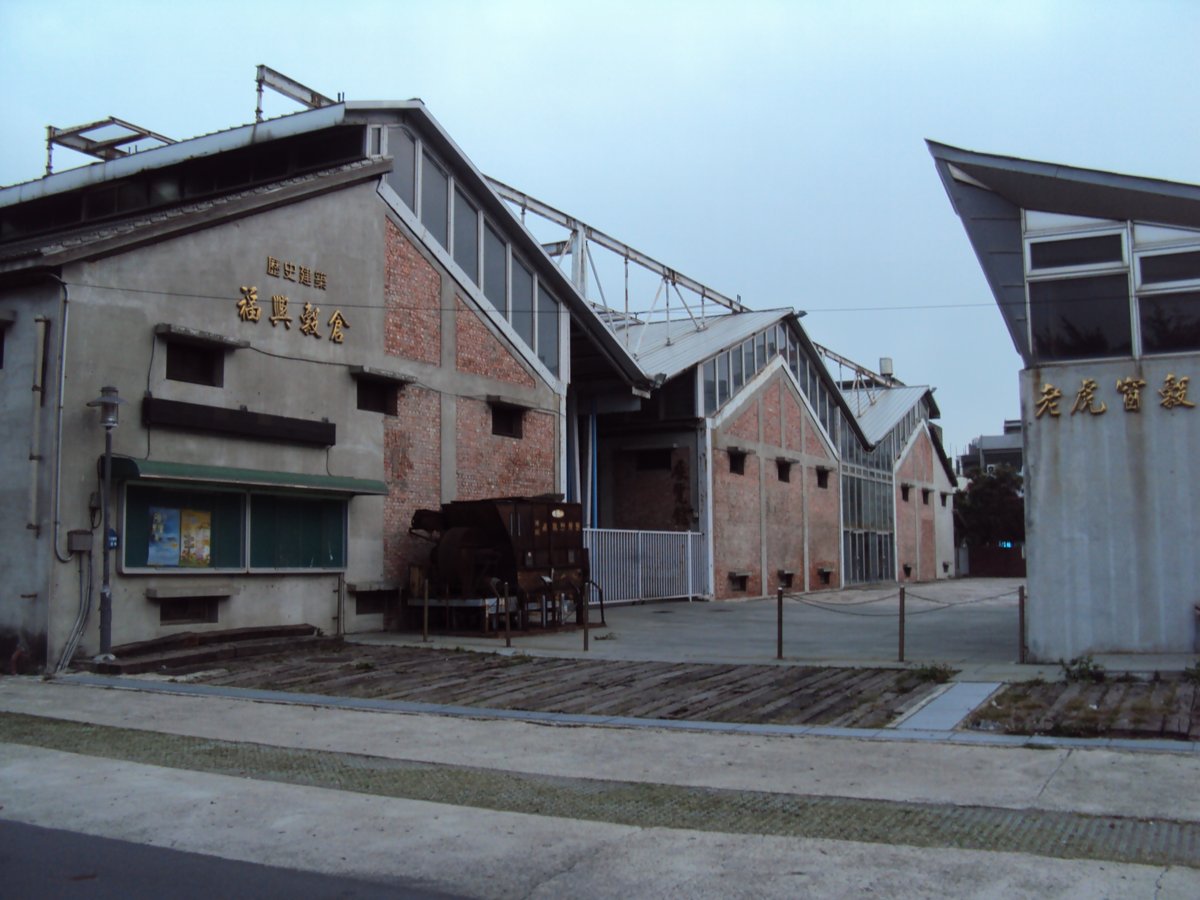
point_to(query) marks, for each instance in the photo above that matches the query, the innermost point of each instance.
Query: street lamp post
(108, 401)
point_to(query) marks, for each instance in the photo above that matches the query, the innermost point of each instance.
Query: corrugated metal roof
(878, 411)
(671, 348)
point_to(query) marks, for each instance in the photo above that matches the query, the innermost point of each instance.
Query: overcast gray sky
(771, 150)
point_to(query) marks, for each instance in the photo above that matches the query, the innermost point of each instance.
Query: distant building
(1097, 276)
(990, 450)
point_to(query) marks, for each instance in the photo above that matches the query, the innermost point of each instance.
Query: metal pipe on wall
(41, 324)
(64, 318)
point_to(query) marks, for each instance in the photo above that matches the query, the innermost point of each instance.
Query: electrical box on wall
(79, 541)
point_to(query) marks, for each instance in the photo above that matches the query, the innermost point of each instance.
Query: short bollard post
(425, 614)
(1021, 624)
(583, 602)
(507, 620)
(901, 657)
(779, 625)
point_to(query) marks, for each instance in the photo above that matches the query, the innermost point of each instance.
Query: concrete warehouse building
(1097, 276)
(319, 324)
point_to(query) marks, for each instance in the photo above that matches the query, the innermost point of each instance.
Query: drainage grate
(1038, 832)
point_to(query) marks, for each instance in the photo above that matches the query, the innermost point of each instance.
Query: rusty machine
(503, 562)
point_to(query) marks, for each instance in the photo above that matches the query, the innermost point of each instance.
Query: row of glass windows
(476, 245)
(169, 528)
(867, 503)
(869, 557)
(1086, 301)
(724, 375)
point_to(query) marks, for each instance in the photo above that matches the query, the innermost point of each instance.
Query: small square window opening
(737, 462)
(195, 364)
(507, 421)
(377, 396)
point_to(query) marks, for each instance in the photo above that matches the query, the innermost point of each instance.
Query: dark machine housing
(528, 548)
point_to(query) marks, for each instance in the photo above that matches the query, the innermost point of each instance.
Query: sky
(772, 150)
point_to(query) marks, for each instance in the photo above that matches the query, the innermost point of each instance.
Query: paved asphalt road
(56, 864)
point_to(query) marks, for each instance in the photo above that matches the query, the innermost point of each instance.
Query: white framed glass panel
(495, 268)
(435, 199)
(722, 378)
(1170, 323)
(1064, 253)
(710, 386)
(1166, 268)
(547, 329)
(737, 374)
(1080, 318)
(402, 147)
(521, 315)
(466, 236)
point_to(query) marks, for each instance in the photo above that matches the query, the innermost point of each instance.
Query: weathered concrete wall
(402, 313)
(26, 488)
(1112, 512)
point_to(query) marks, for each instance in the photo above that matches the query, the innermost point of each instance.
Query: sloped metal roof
(988, 192)
(878, 411)
(170, 154)
(669, 348)
(57, 246)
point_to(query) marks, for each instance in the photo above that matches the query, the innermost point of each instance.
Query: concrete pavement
(970, 624)
(514, 805)
(493, 853)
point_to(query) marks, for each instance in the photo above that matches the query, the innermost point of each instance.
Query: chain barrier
(939, 605)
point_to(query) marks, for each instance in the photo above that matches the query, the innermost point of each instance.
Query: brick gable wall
(482, 353)
(412, 301)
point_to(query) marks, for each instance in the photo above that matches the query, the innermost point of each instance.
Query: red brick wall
(482, 353)
(916, 543)
(493, 466)
(412, 292)
(736, 537)
(793, 411)
(739, 503)
(785, 524)
(412, 469)
(654, 499)
(745, 426)
(824, 519)
(770, 402)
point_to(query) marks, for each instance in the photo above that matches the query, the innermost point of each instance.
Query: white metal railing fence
(647, 565)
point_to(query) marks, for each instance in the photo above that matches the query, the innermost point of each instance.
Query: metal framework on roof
(265, 76)
(578, 244)
(114, 143)
(863, 382)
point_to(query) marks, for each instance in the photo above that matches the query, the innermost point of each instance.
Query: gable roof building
(323, 323)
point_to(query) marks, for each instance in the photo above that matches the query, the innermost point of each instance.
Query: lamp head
(109, 402)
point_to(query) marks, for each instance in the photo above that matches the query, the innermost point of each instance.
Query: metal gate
(647, 565)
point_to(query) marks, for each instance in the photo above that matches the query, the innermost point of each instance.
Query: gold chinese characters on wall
(308, 318)
(1173, 395)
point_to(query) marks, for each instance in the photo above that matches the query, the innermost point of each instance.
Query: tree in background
(991, 509)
